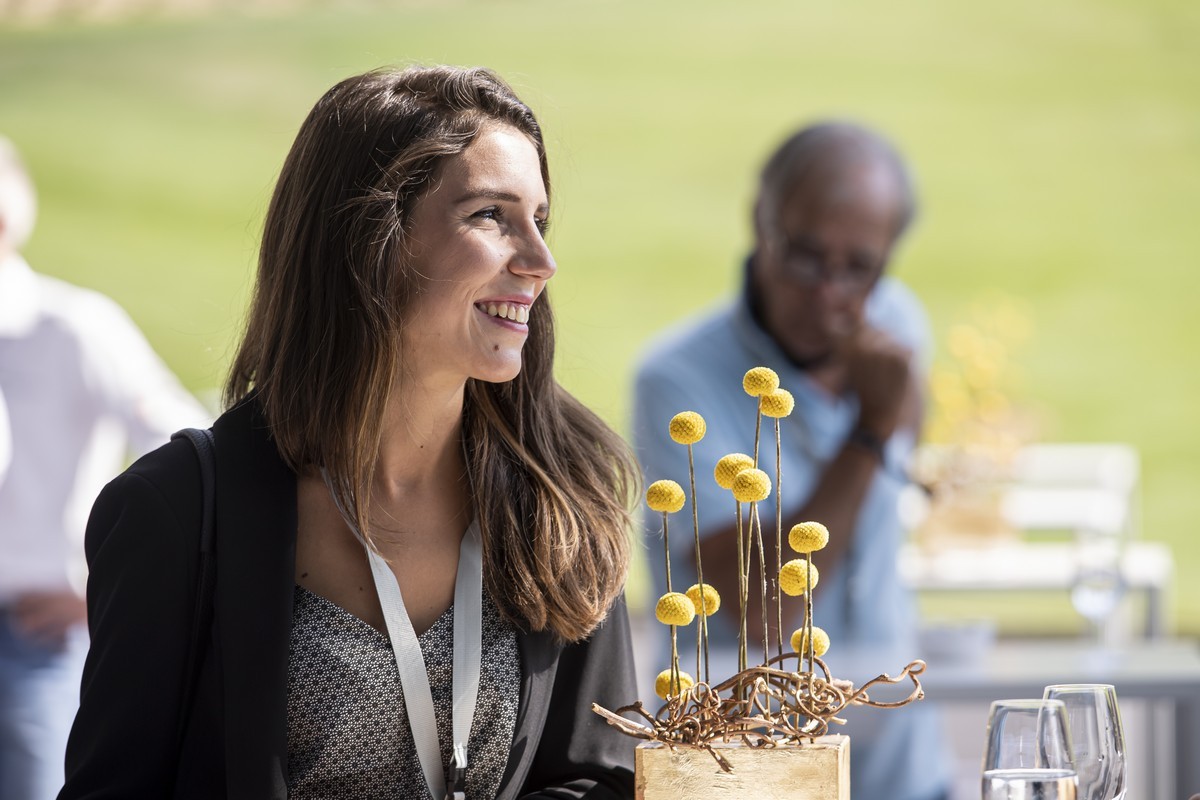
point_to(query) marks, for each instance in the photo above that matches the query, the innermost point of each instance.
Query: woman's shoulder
(147, 519)
(165, 481)
(171, 469)
(165, 485)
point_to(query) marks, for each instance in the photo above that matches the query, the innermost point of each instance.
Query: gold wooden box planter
(812, 771)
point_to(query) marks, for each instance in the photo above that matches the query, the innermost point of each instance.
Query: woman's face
(481, 260)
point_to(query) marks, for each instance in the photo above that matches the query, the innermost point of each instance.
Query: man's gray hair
(825, 153)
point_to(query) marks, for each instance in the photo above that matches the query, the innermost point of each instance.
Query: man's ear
(760, 212)
(761, 232)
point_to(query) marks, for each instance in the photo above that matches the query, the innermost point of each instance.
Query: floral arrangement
(768, 704)
(976, 429)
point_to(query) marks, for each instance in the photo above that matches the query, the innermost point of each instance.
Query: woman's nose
(534, 259)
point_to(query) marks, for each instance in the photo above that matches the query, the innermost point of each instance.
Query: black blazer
(142, 551)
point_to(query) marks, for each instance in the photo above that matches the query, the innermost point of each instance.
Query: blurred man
(81, 390)
(850, 344)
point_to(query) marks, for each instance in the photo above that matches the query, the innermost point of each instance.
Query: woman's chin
(501, 371)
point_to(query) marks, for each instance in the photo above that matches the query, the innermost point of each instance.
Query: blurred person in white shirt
(5, 439)
(81, 391)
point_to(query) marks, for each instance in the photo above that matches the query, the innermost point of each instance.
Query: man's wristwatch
(868, 441)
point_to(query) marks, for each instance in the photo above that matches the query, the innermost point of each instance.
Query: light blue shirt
(698, 366)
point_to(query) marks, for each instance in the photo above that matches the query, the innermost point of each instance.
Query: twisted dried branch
(764, 706)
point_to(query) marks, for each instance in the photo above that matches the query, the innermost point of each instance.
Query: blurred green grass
(1057, 148)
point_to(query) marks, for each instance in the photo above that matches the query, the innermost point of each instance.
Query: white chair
(1085, 488)
(1074, 506)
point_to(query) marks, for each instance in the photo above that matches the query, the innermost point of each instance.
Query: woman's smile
(511, 314)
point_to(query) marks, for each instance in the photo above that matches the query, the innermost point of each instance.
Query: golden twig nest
(687, 427)
(793, 577)
(674, 608)
(728, 468)
(820, 642)
(665, 496)
(662, 684)
(778, 403)
(712, 600)
(808, 537)
(751, 485)
(760, 381)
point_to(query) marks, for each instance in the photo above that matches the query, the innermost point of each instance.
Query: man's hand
(878, 371)
(46, 617)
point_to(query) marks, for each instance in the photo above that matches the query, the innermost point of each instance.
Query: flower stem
(741, 590)
(762, 578)
(702, 628)
(674, 646)
(667, 551)
(757, 430)
(808, 615)
(675, 682)
(778, 538)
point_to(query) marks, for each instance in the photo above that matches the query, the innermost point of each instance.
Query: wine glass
(1097, 739)
(1028, 753)
(1098, 586)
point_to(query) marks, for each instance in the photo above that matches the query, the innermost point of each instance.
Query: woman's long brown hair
(321, 352)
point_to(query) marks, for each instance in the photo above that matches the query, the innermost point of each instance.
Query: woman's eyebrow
(488, 194)
(495, 194)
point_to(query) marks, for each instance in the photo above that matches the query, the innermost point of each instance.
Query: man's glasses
(806, 264)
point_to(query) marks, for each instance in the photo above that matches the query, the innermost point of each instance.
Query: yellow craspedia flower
(675, 609)
(820, 642)
(687, 427)
(665, 496)
(981, 373)
(760, 381)
(728, 468)
(947, 388)
(663, 687)
(751, 485)
(777, 404)
(793, 577)
(712, 600)
(808, 537)
(965, 342)
(993, 406)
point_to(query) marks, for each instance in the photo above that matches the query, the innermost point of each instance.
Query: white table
(1163, 673)
(1023, 566)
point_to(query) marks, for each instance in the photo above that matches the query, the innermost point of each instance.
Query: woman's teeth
(510, 311)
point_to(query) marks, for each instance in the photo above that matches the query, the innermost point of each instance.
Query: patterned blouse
(348, 731)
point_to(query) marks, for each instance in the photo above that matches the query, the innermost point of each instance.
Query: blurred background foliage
(1056, 145)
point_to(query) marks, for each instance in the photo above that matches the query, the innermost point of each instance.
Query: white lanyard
(418, 699)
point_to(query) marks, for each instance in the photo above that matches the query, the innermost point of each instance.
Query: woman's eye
(496, 214)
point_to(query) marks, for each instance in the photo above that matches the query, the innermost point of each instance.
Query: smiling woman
(418, 531)
(477, 239)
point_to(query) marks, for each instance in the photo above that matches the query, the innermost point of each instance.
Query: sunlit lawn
(1057, 148)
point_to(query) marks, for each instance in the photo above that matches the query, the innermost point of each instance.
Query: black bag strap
(202, 610)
